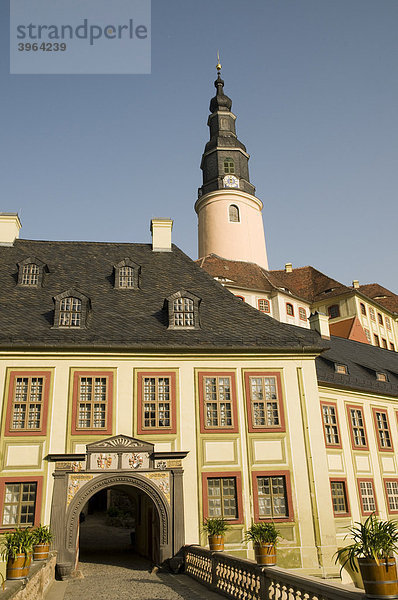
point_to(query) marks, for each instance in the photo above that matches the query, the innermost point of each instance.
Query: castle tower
(229, 214)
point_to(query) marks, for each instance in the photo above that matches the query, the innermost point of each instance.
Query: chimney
(355, 284)
(288, 267)
(9, 228)
(161, 235)
(320, 322)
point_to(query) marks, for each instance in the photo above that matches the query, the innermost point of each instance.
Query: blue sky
(314, 85)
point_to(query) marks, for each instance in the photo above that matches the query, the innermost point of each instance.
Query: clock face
(230, 181)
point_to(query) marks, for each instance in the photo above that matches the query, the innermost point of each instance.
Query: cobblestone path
(112, 572)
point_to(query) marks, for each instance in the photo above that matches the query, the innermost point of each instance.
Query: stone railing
(245, 580)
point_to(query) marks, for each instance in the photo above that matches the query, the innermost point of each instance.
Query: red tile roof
(351, 329)
(380, 294)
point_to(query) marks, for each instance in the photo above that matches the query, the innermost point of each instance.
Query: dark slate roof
(135, 319)
(363, 362)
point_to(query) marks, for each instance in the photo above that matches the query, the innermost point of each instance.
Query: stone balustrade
(245, 580)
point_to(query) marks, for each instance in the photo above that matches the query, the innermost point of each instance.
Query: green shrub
(215, 526)
(262, 533)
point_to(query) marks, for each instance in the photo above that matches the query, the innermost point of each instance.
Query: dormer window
(71, 309)
(233, 214)
(341, 369)
(70, 312)
(183, 310)
(229, 166)
(126, 275)
(381, 376)
(30, 272)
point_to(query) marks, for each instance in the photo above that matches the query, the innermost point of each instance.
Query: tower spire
(230, 221)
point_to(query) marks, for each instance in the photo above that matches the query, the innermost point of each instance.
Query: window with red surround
(27, 406)
(383, 432)
(217, 402)
(367, 496)
(92, 403)
(302, 313)
(240, 297)
(264, 401)
(222, 495)
(156, 409)
(356, 421)
(272, 495)
(20, 501)
(391, 490)
(263, 305)
(340, 504)
(331, 428)
(289, 309)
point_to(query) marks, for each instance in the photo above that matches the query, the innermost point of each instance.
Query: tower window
(229, 166)
(233, 214)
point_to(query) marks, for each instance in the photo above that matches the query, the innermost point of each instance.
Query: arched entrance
(156, 480)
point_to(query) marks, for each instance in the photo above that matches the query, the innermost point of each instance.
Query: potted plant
(372, 550)
(264, 537)
(17, 551)
(215, 528)
(42, 537)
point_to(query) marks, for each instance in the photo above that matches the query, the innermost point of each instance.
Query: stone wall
(35, 586)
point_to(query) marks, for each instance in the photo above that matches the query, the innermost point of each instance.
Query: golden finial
(218, 67)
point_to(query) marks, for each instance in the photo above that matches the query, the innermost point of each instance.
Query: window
(334, 311)
(28, 403)
(30, 272)
(388, 323)
(357, 427)
(156, 402)
(222, 496)
(367, 496)
(20, 500)
(233, 214)
(381, 376)
(263, 305)
(183, 310)
(127, 274)
(339, 498)
(229, 166)
(272, 496)
(217, 402)
(391, 487)
(380, 318)
(382, 426)
(367, 333)
(70, 312)
(240, 297)
(330, 424)
(372, 313)
(71, 308)
(289, 309)
(302, 314)
(377, 341)
(342, 369)
(264, 401)
(92, 402)
(384, 343)
(392, 347)
(363, 308)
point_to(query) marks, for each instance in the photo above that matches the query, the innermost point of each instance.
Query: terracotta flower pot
(41, 551)
(379, 580)
(18, 567)
(265, 554)
(216, 543)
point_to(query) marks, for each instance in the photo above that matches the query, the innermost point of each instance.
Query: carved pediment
(119, 443)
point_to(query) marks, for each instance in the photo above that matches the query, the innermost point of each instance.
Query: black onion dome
(220, 100)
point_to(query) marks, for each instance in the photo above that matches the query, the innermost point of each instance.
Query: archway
(133, 467)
